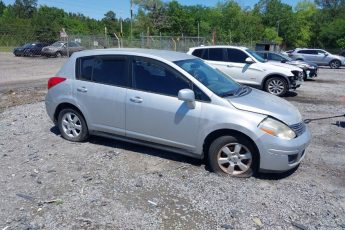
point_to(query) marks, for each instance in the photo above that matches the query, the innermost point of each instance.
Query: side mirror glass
(188, 96)
(249, 60)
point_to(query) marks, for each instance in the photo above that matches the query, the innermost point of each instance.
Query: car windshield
(255, 55)
(213, 79)
(57, 44)
(28, 45)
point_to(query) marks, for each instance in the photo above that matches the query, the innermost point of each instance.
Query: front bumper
(280, 155)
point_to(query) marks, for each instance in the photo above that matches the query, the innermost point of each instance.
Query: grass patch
(6, 48)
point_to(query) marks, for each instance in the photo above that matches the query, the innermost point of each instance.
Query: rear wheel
(72, 125)
(335, 64)
(276, 86)
(234, 156)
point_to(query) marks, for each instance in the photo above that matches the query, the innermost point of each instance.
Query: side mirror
(188, 96)
(249, 60)
(326, 54)
(283, 61)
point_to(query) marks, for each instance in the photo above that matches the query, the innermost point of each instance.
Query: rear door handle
(136, 99)
(82, 89)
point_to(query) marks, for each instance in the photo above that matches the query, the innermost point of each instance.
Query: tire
(276, 85)
(58, 54)
(234, 156)
(335, 64)
(72, 125)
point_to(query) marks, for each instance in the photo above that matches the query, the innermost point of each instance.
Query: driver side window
(156, 77)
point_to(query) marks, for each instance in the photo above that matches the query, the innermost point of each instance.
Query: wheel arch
(263, 83)
(66, 105)
(224, 132)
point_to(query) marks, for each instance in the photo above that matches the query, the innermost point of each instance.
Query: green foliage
(319, 23)
(341, 43)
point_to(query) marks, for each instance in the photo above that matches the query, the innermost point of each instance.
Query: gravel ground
(49, 183)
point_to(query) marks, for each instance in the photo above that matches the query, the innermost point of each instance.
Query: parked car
(318, 56)
(176, 102)
(247, 67)
(29, 49)
(61, 48)
(310, 69)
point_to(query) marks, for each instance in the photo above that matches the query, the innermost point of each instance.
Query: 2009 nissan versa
(176, 102)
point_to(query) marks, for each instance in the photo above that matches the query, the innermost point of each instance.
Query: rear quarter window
(110, 70)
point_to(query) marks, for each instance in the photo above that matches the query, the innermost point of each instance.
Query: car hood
(264, 103)
(288, 66)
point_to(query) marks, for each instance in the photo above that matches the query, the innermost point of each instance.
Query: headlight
(276, 128)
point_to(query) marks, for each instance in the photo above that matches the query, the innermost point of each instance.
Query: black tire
(58, 54)
(335, 64)
(76, 122)
(217, 158)
(277, 86)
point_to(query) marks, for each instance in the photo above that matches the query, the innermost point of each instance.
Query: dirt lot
(49, 183)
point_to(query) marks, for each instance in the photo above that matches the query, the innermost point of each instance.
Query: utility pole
(131, 19)
(198, 33)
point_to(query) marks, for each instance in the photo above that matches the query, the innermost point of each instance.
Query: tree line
(319, 23)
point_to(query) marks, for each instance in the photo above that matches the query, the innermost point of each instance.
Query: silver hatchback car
(176, 102)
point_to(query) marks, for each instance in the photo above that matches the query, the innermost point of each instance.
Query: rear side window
(235, 55)
(216, 54)
(307, 51)
(197, 53)
(111, 70)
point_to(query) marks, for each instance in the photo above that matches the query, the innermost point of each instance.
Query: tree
(2, 7)
(270, 34)
(24, 8)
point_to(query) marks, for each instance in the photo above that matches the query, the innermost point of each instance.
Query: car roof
(220, 46)
(164, 54)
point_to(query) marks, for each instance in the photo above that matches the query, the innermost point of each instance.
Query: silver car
(318, 56)
(176, 102)
(61, 48)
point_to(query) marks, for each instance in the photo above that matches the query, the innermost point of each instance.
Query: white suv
(247, 67)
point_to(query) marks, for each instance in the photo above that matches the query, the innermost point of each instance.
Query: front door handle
(136, 99)
(82, 89)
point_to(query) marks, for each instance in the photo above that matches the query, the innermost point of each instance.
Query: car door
(153, 111)
(242, 72)
(100, 90)
(321, 57)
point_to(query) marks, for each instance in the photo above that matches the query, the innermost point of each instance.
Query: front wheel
(335, 64)
(276, 86)
(58, 54)
(234, 156)
(72, 125)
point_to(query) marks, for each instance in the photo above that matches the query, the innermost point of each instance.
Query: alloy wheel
(71, 125)
(234, 159)
(276, 86)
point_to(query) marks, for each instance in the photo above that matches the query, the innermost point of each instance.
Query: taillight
(54, 81)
